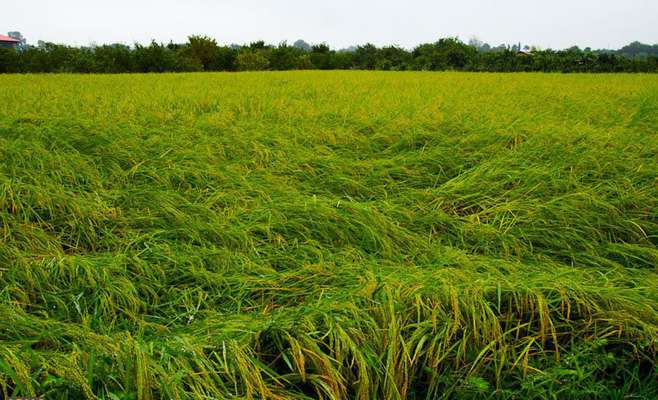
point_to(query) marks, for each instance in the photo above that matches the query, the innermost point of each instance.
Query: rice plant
(330, 235)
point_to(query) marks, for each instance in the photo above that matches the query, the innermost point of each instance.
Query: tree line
(202, 53)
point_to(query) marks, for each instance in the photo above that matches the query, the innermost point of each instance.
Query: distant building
(9, 42)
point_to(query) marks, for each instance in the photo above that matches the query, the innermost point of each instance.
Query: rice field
(329, 235)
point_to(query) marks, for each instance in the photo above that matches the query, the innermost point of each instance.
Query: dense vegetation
(329, 235)
(204, 54)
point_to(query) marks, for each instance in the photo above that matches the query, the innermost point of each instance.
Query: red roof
(4, 38)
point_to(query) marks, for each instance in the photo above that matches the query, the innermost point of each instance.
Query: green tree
(322, 57)
(115, 58)
(154, 58)
(203, 49)
(367, 56)
(447, 53)
(9, 61)
(251, 60)
(285, 57)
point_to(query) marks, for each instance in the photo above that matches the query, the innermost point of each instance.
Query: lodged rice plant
(329, 235)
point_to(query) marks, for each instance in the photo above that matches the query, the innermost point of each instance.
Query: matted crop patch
(333, 235)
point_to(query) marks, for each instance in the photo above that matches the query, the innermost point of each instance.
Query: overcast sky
(340, 23)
